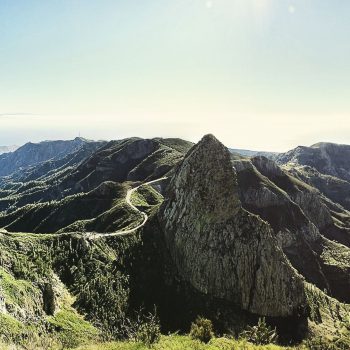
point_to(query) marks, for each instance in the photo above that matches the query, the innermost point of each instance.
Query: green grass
(55, 215)
(146, 197)
(177, 342)
(72, 329)
(11, 329)
(25, 266)
(19, 294)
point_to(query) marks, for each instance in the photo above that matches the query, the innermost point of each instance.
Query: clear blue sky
(259, 74)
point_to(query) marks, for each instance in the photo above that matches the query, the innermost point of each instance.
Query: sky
(258, 74)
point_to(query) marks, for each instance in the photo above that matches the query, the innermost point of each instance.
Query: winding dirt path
(98, 235)
(124, 232)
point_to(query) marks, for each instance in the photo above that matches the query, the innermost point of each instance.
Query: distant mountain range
(248, 153)
(232, 235)
(32, 154)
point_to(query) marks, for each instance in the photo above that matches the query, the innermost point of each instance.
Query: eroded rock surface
(218, 247)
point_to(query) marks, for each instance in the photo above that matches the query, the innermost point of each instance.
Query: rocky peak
(208, 163)
(219, 248)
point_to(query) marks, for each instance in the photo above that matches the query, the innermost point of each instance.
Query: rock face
(218, 247)
(301, 219)
(307, 197)
(262, 196)
(49, 302)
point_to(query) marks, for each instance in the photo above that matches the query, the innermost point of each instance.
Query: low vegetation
(261, 334)
(169, 342)
(202, 330)
(177, 342)
(143, 328)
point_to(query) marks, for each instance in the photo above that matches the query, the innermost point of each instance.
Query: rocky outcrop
(49, 299)
(219, 248)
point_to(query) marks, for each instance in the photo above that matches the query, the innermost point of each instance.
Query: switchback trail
(124, 232)
(98, 235)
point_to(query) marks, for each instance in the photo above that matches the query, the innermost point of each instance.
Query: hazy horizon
(159, 136)
(258, 74)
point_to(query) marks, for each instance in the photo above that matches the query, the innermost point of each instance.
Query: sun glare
(291, 9)
(209, 4)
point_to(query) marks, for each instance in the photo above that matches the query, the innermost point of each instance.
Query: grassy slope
(25, 270)
(94, 272)
(145, 198)
(170, 342)
(102, 210)
(176, 342)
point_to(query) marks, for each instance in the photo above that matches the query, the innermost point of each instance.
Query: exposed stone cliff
(307, 197)
(218, 247)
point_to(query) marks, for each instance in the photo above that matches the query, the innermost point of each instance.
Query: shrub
(144, 328)
(261, 334)
(149, 332)
(202, 329)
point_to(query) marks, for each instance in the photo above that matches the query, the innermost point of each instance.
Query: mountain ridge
(230, 238)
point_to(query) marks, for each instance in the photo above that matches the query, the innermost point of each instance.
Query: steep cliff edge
(219, 248)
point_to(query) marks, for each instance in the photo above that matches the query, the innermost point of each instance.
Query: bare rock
(218, 247)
